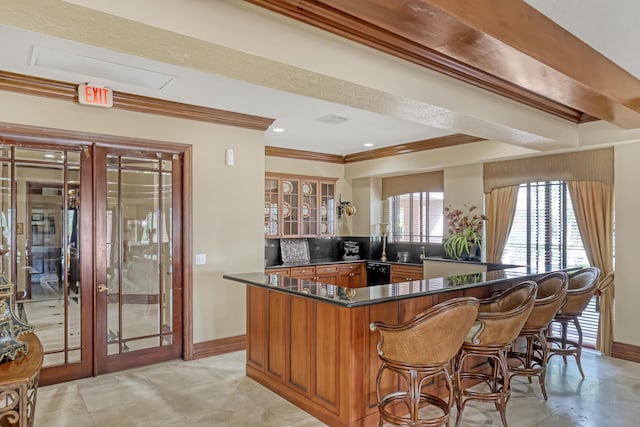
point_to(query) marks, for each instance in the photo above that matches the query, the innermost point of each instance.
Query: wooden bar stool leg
(564, 340)
(579, 349)
(544, 349)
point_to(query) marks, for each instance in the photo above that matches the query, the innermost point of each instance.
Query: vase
(472, 255)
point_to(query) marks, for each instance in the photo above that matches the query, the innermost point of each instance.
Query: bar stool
(582, 286)
(552, 291)
(418, 350)
(500, 319)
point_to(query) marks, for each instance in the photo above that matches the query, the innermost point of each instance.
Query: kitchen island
(310, 342)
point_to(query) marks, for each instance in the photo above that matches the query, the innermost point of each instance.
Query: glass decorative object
(11, 327)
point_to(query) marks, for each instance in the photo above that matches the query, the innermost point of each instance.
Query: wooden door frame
(50, 138)
(103, 362)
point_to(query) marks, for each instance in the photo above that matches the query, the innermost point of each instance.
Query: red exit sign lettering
(96, 96)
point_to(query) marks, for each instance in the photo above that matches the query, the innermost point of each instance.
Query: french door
(92, 238)
(137, 252)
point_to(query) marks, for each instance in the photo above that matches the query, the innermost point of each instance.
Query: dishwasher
(378, 273)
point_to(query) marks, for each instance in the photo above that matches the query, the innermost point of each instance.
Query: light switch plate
(201, 259)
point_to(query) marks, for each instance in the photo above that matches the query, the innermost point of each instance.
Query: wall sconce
(229, 158)
(345, 208)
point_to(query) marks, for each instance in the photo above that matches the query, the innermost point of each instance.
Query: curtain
(500, 208)
(416, 183)
(592, 165)
(593, 206)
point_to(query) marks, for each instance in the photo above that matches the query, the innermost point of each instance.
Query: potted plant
(464, 232)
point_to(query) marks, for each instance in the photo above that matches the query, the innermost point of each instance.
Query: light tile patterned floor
(215, 392)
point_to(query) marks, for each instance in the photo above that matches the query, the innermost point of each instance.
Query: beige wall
(227, 201)
(627, 213)
(463, 186)
(367, 197)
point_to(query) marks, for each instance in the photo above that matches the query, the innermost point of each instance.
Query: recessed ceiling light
(49, 156)
(278, 130)
(368, 144)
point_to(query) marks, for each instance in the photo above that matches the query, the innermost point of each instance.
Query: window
(416, 217)
(545, 234)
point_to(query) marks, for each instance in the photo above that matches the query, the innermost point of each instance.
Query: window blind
(417, 217)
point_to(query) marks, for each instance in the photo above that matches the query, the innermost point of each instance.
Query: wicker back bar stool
(500, 319)
(532, 361)
(582, 286)
(419, 350)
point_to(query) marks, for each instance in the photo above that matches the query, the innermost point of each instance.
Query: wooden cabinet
(327, 274)
(285, 272)
(406, 273)
(303, 272)
(351, 275)
(299, 206)
(348, 275)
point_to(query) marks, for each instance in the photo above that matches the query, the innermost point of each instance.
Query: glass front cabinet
(299, 206)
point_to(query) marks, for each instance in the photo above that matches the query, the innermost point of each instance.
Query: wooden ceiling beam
(503, 46)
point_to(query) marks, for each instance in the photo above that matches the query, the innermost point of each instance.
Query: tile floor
(215, 392)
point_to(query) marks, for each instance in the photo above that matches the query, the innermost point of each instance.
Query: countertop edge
(356, 297)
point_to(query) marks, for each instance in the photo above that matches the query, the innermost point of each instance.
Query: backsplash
(329, 249)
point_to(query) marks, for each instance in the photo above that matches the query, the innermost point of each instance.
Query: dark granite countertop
(354, 297)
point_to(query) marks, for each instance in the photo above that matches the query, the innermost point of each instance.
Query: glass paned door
(42, 194)
(137, 303)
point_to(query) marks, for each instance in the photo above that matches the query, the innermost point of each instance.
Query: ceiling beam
(503, 46)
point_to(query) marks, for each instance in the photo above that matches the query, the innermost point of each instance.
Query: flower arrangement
(464, 231)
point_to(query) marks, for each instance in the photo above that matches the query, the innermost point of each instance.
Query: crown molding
(412, 147)
(37, 86)
(394, 150)
(302, 155)
(355, 28)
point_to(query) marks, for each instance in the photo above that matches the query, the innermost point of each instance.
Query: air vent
(332, 119)
(96, 69)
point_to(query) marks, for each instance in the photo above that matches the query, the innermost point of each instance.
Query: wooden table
(18, 385)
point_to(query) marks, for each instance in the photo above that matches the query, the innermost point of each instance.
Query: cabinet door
(351, 275)
(271, 206)
(327, 274)
(405, 273)
(284, 272)
(290, 211)
(309, 207)
(327, 208)
(303, 272)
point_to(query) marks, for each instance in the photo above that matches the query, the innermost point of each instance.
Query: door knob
(102, 288)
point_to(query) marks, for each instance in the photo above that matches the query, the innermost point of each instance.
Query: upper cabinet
(299, 206)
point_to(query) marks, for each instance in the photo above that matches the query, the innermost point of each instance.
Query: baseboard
(625, 351)
(220, 346)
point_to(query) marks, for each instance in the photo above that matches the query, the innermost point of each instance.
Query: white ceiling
(610, 27)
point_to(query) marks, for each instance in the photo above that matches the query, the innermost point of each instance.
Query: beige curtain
(593, 206)
(500, 208)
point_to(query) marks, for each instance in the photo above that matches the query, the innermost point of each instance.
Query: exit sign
(94, 95)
